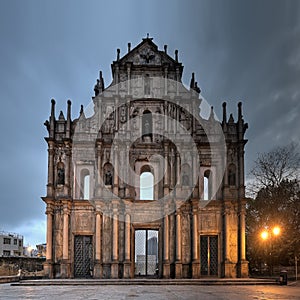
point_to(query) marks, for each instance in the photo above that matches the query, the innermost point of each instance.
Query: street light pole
(268, 234)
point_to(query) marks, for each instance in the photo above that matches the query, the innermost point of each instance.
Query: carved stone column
(67, 171)
(116, 170)
(127, 263)
(115, 244)
(243, 263)
(166, 79)
(50, 191)
(66, 232)
(98, 233)
(229, 266)
(178, 264)
(48, 265)
(166, 262)
(195, 242)
(65, 265)
(172, 169)
(128, 78)
(195, 170)
(178, 179)
(99, 184)
(166, 177)
(127, 162)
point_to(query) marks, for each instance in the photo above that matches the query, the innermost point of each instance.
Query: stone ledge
(204, 281)
(7, 279)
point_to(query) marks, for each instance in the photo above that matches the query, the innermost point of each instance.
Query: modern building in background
(11, 244)
(191, 221)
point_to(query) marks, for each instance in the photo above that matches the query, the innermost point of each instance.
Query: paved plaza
(254, 292)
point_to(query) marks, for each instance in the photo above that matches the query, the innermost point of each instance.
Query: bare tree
(276, 201)
(273, 167)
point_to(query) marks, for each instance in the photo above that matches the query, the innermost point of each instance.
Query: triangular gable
(147, 53)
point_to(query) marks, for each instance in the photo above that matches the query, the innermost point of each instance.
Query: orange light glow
(276, 230)
(264, 235)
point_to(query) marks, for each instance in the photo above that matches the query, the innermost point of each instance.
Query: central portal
(146, 252)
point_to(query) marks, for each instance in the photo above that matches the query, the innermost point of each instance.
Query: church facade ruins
(140, 185)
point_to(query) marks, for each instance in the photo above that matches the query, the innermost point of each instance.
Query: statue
(185, 179)
(231, 177)
(108, 178)
(60, 175)
(147, 127)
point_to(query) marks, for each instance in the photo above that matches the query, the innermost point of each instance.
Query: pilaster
(48, 265)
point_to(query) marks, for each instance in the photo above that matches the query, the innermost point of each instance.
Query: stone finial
(231, 119)
(101, 81)
(224, 113)
(192, 84)
(240, 116)
(69, 103)
(52, 119)
(53, 108)
(99, 86)
(176, 55)
(212, 114)
(61, 116)
(129, 47)
(197, 89)
(165, 48)
(81, 114)
(118, 54)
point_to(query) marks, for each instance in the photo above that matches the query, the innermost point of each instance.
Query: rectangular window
(6, 241)
(20, 243)
(15, 242)
(6, 253)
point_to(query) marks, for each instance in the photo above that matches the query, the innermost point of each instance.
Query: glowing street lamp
(264, 235)
(276, 230)
(269, 234)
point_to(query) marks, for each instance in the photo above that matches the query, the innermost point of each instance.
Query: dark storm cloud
(240, 51)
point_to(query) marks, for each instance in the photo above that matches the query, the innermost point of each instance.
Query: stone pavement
(215, 292)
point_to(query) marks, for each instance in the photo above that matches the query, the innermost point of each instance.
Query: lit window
(146, 186)
(85, 184)
(207, 185)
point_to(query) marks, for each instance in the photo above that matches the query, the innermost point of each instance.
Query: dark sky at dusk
(245, 51)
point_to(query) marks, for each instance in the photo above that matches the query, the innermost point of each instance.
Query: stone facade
(145, 121)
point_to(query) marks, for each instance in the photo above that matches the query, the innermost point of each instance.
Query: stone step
(204, 281)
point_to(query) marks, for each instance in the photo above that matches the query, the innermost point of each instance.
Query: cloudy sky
(245, 51)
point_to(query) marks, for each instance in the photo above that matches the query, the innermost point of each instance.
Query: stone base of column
(196, 269)
(65, 269)
(98, 271)
(230, 270)
(106, 271)
(127, 270)
(178, 270)
(166, 270)
(114, 270)
(48, 269)
(243, 269)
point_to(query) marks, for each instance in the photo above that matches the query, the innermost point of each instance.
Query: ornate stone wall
(145, 121)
